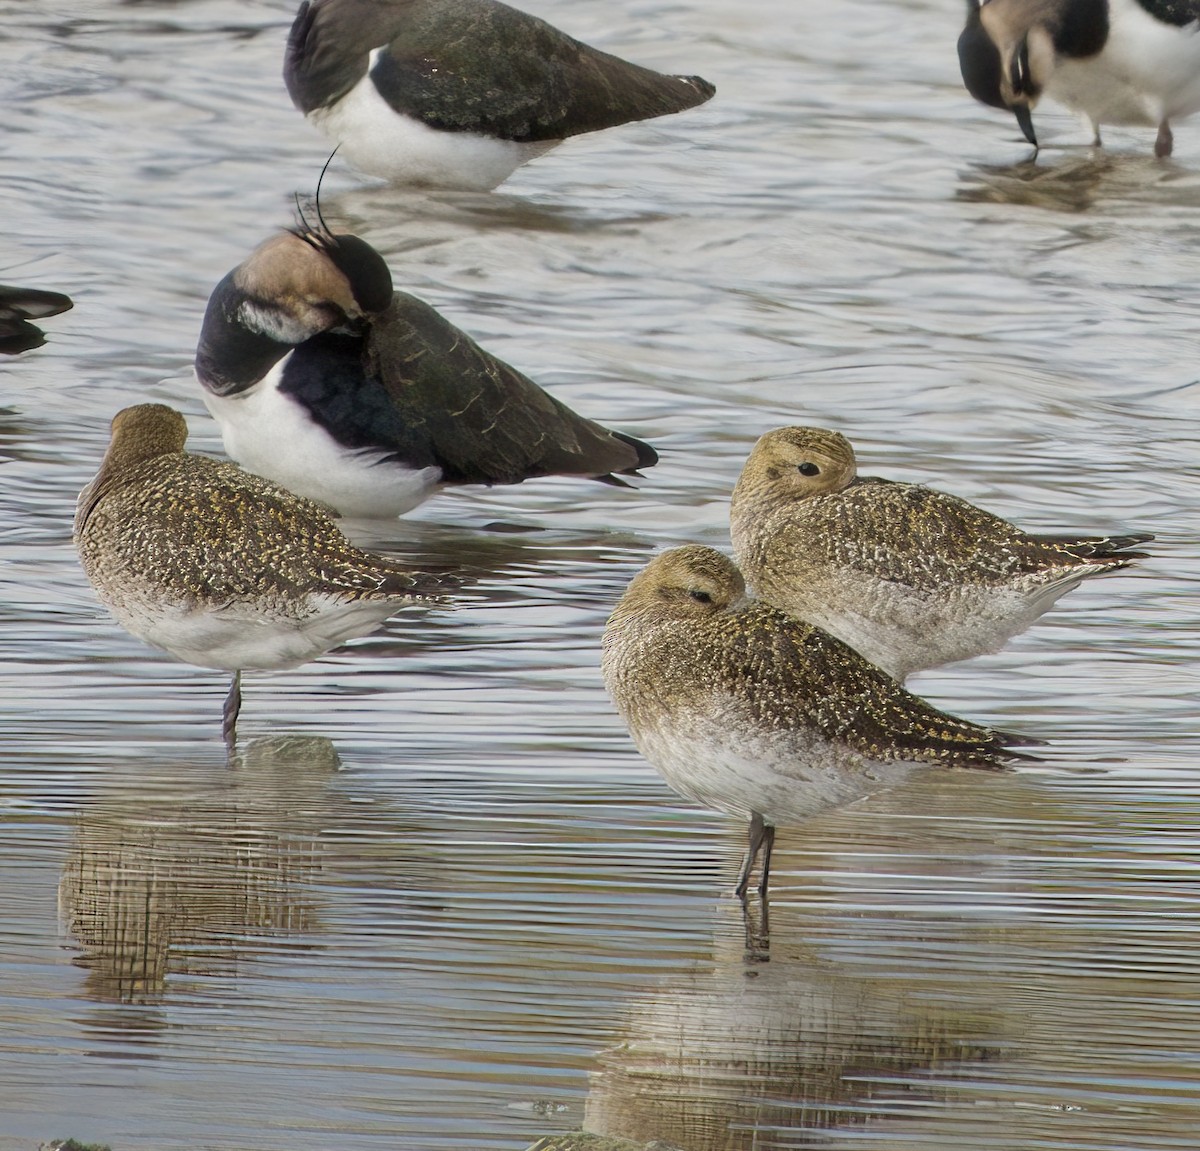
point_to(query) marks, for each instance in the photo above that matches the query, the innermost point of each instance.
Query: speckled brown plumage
(790, 674)
(219, 567)
(207, 532)
(749, 710)
(910, 576)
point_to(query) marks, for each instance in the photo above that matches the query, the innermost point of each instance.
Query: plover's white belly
(1148, 71)
(246, 636)
(722, 760)
(270, 434)
(383, 142)
(904, 631)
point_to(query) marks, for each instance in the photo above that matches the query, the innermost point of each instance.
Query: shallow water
(439, 901)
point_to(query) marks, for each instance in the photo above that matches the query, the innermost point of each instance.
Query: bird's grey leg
(1165, 141)
(233, 705)
(754, 842)
(768, 845)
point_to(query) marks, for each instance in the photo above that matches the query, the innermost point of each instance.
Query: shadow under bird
(18, 306)
(221, 568)
(744, 709)
(324, 380)
(1123, 62)
(460, 93)
(909, 576)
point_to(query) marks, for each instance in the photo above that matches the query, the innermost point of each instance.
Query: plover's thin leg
(754, 842)
(768, 845)
(233, 705)
(1165, 141)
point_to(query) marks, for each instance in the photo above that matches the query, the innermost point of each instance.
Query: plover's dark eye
(699, 596)
(808, 468)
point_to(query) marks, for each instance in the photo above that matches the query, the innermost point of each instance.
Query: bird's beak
(1025, 120)
(1018, 89)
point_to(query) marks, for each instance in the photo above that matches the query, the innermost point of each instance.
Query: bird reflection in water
(1076, 183)
(747, 1054)
(180, 885)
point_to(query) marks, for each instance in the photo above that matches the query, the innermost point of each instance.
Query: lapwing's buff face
(1023, 32)
(690, 582)
(300, 283)
(799, 463)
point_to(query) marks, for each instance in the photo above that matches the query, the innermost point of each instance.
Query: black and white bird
(460, 93)
(1123, 62)
(325, 381)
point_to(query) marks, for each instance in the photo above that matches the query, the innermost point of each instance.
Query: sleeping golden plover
(221, 568)
(744, 709)
(908, 576)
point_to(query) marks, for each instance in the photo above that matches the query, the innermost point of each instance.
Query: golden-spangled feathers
(683, 638)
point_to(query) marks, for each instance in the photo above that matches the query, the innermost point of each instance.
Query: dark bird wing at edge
(31, 303)
(473, 67)
(421, 389)
(20, 305)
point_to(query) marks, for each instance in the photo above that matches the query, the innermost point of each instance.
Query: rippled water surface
(438, 900)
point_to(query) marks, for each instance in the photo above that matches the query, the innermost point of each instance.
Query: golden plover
(747, 710)
(221, 568)
(908, 576)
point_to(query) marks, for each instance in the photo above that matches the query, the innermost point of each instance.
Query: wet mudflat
(438, 900)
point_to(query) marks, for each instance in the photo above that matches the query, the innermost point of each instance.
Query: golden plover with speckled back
(219, 567)
(908, 576)
(744, 709)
